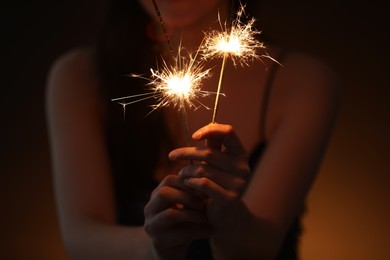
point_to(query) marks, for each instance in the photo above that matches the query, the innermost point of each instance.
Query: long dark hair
(123, 46)
(133, 139)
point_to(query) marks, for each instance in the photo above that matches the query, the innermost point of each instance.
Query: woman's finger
(224, 133)
(171, 217)
(177, 226)
(227, 181)
(234, 164)
(166, 196)
(212, 190)
(172, 181)
(172, 191)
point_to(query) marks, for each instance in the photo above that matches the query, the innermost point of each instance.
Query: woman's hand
(174, 218)
(221, 176)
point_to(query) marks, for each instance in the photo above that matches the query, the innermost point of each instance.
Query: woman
(124, 192)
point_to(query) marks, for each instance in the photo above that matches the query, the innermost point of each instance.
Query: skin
(245, 214)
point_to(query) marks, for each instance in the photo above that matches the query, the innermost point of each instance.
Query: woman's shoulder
(307, 67)
(73, 72)
(74, 64)
(304, 72)
(303, 83)
(72, 83)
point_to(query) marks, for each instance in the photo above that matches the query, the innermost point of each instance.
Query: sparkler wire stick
(185, 125)
(163, 26)
(236, 40)
(183, 111)
(216, 103)
(219, 88)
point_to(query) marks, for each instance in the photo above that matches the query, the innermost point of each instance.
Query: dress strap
(258, 150)
(268, 89)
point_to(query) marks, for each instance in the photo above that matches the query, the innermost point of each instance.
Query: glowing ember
(179, 84)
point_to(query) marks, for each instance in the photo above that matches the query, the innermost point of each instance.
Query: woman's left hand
(222, 174)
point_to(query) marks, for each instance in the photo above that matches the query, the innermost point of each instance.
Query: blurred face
(182, 13)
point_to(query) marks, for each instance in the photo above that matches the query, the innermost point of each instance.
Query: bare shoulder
(72, 79)
(304, 81)
(304, 73)
(73, 59)
(72, 69)
(72, 91)
(304, 91)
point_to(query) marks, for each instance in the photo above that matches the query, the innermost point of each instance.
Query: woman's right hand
(174, 217)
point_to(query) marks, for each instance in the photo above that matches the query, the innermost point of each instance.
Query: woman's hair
(133, 139)
(122, 45)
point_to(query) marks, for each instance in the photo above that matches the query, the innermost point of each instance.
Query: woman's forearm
(107, 241)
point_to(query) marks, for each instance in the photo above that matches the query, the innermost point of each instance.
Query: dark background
(349, 203)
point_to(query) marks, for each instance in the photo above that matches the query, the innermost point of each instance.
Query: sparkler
(178, 85)
(239, 42)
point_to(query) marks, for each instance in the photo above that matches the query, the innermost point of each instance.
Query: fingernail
(172, 155)
(197, 135)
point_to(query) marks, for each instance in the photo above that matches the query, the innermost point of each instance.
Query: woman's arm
(306, 100)
(82, 178)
